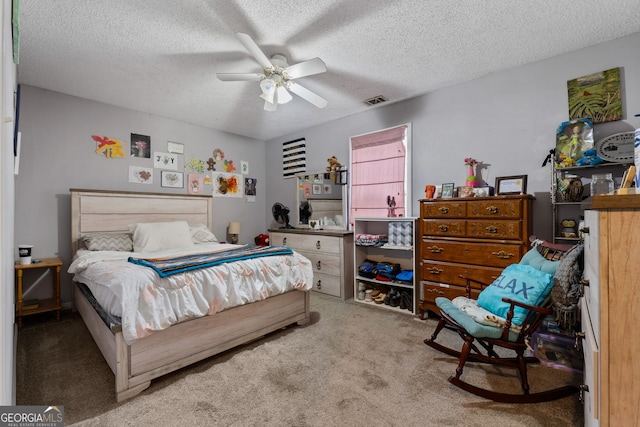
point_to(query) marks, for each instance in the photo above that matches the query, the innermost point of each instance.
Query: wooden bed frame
(185, 343)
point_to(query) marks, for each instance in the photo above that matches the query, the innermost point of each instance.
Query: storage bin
(400, 233)
(557, 351)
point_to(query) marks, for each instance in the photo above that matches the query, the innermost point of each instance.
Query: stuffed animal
(334, 164)
(589, 157)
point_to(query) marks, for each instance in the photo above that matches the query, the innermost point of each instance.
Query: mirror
(320, 200)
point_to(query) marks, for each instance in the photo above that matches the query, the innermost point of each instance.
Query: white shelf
(404, 255)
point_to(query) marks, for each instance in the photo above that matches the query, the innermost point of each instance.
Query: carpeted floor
(353, 365)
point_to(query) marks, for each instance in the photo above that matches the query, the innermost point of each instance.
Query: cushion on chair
(535, 259)
(471, 308)
(522, 283)
(474, 328)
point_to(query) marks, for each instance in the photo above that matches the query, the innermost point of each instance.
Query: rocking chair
(510, 321)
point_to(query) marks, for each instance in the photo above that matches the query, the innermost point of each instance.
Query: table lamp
(234, 230)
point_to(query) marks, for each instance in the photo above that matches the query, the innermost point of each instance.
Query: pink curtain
(378, 172)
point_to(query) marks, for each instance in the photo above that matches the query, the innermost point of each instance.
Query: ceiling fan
(277, 78)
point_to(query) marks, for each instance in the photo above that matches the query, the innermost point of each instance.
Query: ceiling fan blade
(239, 77)
(306, 94)
(306, 68)
(254, 50)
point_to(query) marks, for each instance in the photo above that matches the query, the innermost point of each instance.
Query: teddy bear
(334, 164)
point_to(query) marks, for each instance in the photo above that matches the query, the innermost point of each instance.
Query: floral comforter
(147, 303)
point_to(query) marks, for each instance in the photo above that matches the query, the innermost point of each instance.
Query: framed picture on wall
(447, 190)
(172, 179)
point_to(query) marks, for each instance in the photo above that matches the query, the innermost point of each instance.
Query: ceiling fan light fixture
(283, 95)
(267, 85)
(270, 106)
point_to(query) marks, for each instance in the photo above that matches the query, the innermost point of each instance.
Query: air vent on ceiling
(375, 100)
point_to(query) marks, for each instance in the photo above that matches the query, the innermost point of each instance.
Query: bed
(136, 362)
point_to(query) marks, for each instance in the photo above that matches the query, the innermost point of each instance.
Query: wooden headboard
(102, 210)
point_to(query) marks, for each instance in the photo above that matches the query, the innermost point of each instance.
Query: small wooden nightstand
(43, 306)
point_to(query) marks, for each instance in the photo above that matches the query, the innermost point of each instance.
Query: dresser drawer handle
(284, 241)
(443, 227)
(435, 249)
(318, 244)
(319, 284)
(503, 254)
(492, 209)
(579, 336)
(319, 265)
(435, 291)
(492, 229)
(444, 210)
(435, 270)
(583, 283)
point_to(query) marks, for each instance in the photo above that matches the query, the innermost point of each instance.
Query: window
(380, 171)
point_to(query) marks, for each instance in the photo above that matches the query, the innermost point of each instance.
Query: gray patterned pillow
(200, 233)
(108, 242)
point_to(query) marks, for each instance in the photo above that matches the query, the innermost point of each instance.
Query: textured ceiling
(161, 56)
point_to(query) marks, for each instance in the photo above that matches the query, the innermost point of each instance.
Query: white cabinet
(402, 254)
(610, 311)
(330, 254)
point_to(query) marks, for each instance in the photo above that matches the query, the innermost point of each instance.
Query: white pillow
(200, 233)
(158, 236)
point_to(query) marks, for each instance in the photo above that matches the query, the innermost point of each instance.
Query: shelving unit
(400, 254)
(573, 209)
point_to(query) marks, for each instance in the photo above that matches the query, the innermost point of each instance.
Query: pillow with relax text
(518, 282)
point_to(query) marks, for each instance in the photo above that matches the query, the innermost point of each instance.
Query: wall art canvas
(227, 184)
(244, 167)
(140, 146)
(140, 175)
(597, 97)
(165, 161)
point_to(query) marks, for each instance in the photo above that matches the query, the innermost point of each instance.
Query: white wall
(58, 153)
(506, 120)
(7, 87)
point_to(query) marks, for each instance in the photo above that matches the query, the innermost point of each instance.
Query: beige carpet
(353, 365)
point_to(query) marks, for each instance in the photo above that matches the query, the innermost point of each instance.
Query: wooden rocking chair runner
(480, 339)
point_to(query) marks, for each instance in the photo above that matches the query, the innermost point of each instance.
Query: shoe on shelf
(403, 301)
(361, 295)
(396, 300)
(367, 295)
(380, 298)
(392, 293)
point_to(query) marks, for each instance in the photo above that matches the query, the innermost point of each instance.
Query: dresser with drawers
(610, 309)
(473, 237)
(330, 252)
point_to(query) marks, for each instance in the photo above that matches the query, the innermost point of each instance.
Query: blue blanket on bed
(169, 266)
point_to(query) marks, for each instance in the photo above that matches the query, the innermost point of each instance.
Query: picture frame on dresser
(510, 185)
(447, 190)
